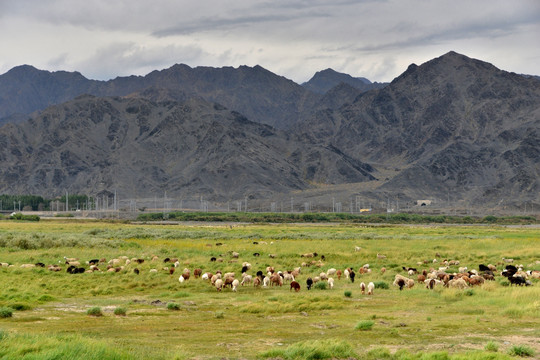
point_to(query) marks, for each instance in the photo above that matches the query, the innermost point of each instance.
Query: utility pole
(67, 203)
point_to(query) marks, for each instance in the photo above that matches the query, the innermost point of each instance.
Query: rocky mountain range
(454, 129)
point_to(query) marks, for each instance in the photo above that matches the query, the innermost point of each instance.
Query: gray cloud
(294, 38)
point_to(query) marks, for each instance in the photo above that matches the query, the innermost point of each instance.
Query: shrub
(491, 346)
(173, 306)
(381, 285)
(468, 292)
(219, 315)
(347, 293)
(94, 311)
(6, 312)
(364, 325)
(20, 307)
(521, 350)
(314, 350)
(321, 285)
(120, 311)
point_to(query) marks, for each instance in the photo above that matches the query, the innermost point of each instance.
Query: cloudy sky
(103, 39)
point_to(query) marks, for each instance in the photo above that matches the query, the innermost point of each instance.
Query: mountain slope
(140, 147)
(452, 125)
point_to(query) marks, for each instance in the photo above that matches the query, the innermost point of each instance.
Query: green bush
(120, 311)
(321, 285)
(20, 307)
(94, 311)
(364, 325)
(492, 346)
(381, 285)
(19, 216)
(6, 312)
(347, 293)
(173, 306)
(521, 350)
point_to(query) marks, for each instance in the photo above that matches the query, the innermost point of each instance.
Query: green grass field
(103, 315)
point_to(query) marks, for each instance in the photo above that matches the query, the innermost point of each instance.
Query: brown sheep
(197, 273)
(295, 286)
(339, 273)
(275, 279)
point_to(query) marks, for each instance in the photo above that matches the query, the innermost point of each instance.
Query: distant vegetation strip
(398, 218)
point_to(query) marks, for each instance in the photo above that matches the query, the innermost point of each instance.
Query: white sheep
(323, 276)
(219, 284)
(331, 272)
(346, 273)
(266, 281)
(370, 288)
(331, 283)
(363, 288)
(27, 266)
(246, 279)
(204, 276)
(181, 279)
(288, 277)
(462, 269)
(357, 248)
(235, 284)
(153, 271)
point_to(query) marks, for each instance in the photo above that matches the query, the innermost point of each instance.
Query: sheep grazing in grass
(383, 270)
(197, 273)
(323, 276)
(370, 288)
(331, 272)
(171, 271)
(295, 286)
(400, 283)
(257, 282)
(266, 281)
(93, 262)
(381, 256)
(357, 248)
(186, 274)
(458, 284)
(363, 288)
(235, 284)
(246, 279)
(338, 274)
(181, 279)
(288, 277)
(309, 283)
(276, 279)
(331, 283)
(28, 266)
(53, 267)
(219, 284)
(213, 259)
(347, 272)
(235, 255)
(352, 276)
(136, 271)
(420, 278)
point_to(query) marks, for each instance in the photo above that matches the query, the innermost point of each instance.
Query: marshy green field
(122, 315)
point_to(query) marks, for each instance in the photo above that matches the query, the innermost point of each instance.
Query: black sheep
(213, 258)
(483, 267)
(401, 284)
(39, 264)
(516, 280)
(136, 271)
(260, 274)
(71, 269)
(256, 254)
(244, 269)
(352, 275)
(93, 262)
(309, 283)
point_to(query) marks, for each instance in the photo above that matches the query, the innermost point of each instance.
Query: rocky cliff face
(141, 147)
(453, 124)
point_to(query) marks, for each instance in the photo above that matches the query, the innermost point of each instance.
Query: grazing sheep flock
(270, 277)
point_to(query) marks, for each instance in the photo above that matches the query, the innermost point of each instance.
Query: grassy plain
(51, 309)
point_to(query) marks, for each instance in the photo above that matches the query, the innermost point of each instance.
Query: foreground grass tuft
(6, 312)
(311, 350)
(94, 311)
(364, 325)
(521, 350)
